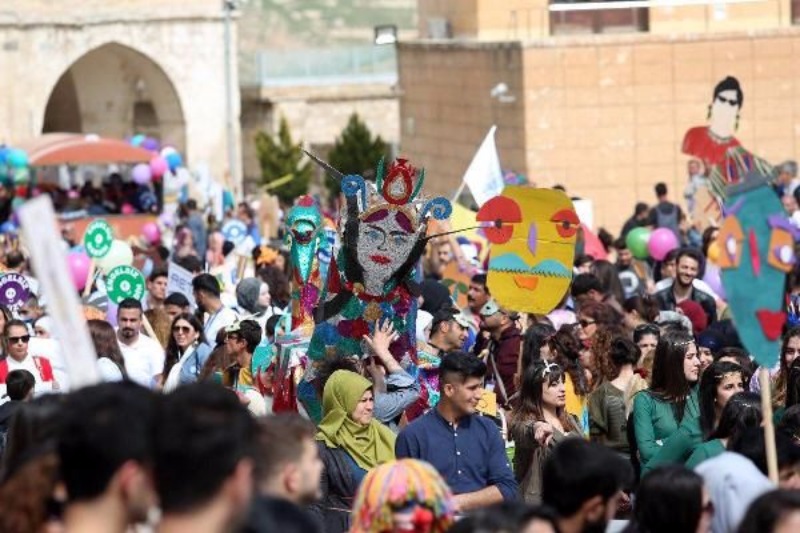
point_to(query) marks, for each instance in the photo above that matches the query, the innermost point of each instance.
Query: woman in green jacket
(658, 412)
(742, 411)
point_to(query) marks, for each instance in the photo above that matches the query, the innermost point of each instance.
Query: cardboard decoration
(533, 233)
(716, 144)
(706, 212)
(755, 251)
(14, 290)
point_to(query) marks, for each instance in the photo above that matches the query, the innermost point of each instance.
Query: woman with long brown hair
(566, 351)
(109, 357)
(539, 424)
(184, 341)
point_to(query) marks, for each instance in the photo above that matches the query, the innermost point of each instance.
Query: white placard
(40, 229)
(180, 280)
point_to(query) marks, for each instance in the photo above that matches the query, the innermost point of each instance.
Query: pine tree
(355, 152)
(280, 157)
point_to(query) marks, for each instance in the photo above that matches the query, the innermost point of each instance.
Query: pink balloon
(151, 233)
(78, 264)
(158, 166)
(141, 174)
(662, 241)
(127, 209)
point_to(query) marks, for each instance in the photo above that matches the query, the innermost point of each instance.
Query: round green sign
(124, 282)
(98, 238)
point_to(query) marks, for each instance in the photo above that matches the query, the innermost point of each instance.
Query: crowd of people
(631, 406)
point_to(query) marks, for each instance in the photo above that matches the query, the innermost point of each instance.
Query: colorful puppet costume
(383, 235)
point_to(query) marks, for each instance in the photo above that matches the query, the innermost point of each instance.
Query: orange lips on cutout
(528, 283)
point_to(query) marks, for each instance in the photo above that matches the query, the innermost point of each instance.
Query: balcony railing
(363, 64)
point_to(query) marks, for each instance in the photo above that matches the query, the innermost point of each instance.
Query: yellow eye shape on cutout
(729, 242)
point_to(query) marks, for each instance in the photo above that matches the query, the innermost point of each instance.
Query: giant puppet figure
(755, 251)
(305, 236)
(383, 235)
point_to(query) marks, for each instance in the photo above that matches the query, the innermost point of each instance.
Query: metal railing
(361, 64)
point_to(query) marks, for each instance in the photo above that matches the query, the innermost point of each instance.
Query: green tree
(279, 158)
(355, 152)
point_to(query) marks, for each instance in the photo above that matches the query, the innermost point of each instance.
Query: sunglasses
(586, 323)
(182, 329)
(15, 340)
(647, 328)
(730, 102)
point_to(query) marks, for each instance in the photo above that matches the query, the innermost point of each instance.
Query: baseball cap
(461, 320)
(491, 307)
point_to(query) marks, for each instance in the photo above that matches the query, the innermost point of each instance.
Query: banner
(180, 280)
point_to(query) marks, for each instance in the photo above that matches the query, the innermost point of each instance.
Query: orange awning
(77, 149)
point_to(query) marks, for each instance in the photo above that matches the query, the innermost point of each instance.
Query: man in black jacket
(689, 262)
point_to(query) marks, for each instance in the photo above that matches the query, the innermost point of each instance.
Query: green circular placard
(98, 238)
(124, 282)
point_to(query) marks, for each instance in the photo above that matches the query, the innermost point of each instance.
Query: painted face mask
(755, 251)
(533, 234)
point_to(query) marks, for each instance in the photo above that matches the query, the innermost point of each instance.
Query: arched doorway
(115, 91)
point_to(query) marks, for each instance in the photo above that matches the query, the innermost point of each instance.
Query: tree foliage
(279, 157)
(355, 151)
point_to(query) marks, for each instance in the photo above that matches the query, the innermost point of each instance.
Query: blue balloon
(8, 227)
(17, 158)
(174, 160)
(4, 150)
(137, 139)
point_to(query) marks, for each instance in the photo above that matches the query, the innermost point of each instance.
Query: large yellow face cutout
(533, 234)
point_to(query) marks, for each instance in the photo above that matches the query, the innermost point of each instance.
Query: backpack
(669, 219)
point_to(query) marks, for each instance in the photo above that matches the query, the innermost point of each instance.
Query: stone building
(597, 100)
(113, 68)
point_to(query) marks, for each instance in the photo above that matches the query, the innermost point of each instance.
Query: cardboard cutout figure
(726, 160)
(755, 251)
(533, 233)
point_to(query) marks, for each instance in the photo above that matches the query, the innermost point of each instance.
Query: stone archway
(115, 91)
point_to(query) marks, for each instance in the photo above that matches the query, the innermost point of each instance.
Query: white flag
(484, 176)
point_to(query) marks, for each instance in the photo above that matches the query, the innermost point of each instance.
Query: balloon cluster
(13, 165)
(644, 243)
(164, 159)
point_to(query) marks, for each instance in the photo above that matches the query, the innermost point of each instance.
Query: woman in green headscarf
(350, 443)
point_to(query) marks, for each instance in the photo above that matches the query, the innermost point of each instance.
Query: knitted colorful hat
(405, 485)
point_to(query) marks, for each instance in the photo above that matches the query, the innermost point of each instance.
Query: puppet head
(384, 226)
(755, 252)
(533, 233)
(304, 236)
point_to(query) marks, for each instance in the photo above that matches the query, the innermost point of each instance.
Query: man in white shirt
(144, 357)
(207, 295)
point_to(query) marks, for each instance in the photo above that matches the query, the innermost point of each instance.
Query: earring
(708, 114)
(736, 124)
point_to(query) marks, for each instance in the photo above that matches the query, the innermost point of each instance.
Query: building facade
(597, 101)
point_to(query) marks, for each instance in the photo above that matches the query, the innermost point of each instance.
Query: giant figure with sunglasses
(725, 158)
(18, 357)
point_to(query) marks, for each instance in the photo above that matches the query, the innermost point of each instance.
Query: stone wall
(183, 40)
(603, 115)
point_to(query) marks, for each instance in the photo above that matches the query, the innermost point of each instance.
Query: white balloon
(119, 255)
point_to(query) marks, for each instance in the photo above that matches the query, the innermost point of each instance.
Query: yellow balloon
(713, 252)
